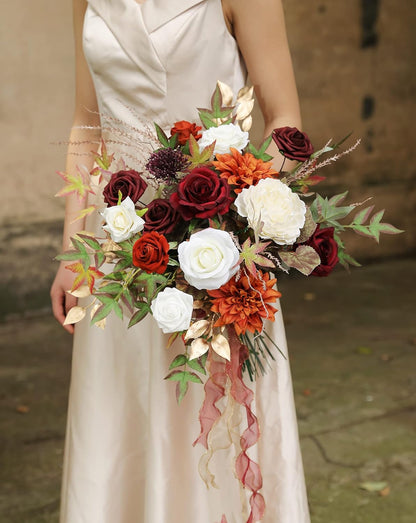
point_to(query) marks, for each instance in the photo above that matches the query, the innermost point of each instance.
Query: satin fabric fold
(129, 456)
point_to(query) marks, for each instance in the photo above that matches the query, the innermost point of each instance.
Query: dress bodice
(161, 58)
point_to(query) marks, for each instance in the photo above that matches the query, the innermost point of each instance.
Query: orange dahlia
(245, 301)
(242, 170)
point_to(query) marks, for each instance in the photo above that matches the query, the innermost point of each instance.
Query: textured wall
(354, 62)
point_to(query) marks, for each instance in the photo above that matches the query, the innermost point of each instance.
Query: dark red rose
(184, 129)
(292, 143)
(201, 194)
(150, 252)
(324, 244)
(160, 216)
(129, 183)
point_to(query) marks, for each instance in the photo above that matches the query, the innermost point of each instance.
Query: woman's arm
(85, 114)
(259, 28)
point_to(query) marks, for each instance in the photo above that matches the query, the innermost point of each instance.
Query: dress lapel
(157, 12)
(125, 20)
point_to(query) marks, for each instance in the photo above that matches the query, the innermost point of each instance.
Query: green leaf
(181, 390)
(140, 314)
(196, 365)
(68, 256)
(118, 310)
(161, 135)
(178, 361)
(141, 212)
(92, 242)
(260, 153)
(183, 375)
(362, 216)
(111, 288)
(102, 312)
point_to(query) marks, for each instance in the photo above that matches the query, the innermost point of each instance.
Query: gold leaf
(74, 315)
(81, 292)
(198, 348)
(108, 247)
(197, 329)
(226, 92)
(246, 124)
(101, 323)
(94, 309)
(308, 229)
(221, 346)
(244, 109)
(245, 94)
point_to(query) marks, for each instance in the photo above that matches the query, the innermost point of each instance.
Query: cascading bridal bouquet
(203, 254)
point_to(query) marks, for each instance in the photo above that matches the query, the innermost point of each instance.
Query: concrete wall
(354, 62)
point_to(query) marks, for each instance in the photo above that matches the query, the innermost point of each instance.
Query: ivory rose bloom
(209, 259)
(172, 310)
(225, 137)
(272, 203)
(122, 220)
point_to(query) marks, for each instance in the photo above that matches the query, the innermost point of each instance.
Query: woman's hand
(62, 301)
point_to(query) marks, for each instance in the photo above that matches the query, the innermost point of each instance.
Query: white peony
(172, 309)
(225, 136)
(280, 210)
(208, 259)
(122, 220)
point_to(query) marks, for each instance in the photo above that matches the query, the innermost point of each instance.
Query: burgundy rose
(201, 194)
(129, 183)
(160, 216)
(292, 143)
(324, 244)
(150, 252)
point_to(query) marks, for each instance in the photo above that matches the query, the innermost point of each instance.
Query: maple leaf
(75, 183)
(85, 212)
(85, 276)
(104, 160)
(250, 255)
(198, 157)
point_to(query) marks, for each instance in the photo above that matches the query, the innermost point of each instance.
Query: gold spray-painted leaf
(308, 229)
(74, 315)
(304, 259)
(221, 346)
(244, 109)
(81, 292)
(226, 92)
(101, 323)
(245, 94)
(246, 124)
(197, 329)
(198, 348)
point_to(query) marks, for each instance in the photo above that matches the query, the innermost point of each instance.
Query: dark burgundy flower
(165, 163)
(292, 143)
(150, 252)
(184, 129)
(325, 245)
(129, 183)
(160, 216)
(201, 194)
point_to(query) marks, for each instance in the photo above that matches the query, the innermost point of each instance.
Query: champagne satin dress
(129, 456)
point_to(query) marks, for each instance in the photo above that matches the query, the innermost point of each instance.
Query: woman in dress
(129, 455)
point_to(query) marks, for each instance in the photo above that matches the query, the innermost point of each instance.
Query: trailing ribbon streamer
(225, 381)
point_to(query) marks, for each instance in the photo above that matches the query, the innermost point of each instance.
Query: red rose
(129, 183)
(292, 143)
(150, 252)
(184, 129)
(324, 244)
(201, 194)
(160, 216)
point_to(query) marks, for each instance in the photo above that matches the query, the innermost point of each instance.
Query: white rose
(225, 136)
(273, 203)
(208, 259)
(172, 309)
(122, 220)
